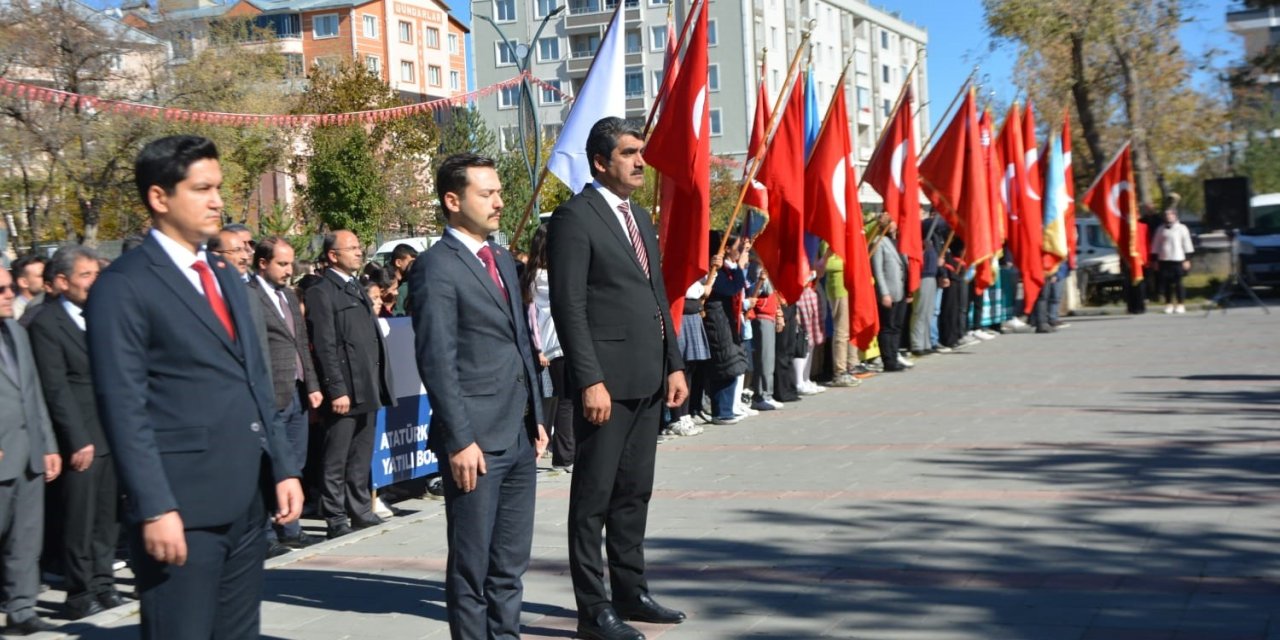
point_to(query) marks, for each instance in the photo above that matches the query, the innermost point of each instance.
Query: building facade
(880, 47)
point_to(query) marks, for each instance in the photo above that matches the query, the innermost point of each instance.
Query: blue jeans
(293, 419)
(721, 392)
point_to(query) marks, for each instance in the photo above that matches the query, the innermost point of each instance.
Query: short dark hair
(603, 138)
(451, 177)
(403, 250)
(266, 250)
(19, 267)
(63, 262)
(327, 244)
(373, 274)
(164, 162)
(214, 243)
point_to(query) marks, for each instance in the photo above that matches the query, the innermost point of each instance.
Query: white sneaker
(1168, 309)
(1016, 323)
(943, 349)
(1179, 309)
(684, 427)
(733, 420)
(381, 509)
(983, 334)
(905, 361)
(773, 403)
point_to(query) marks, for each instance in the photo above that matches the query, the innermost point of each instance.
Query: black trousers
(348, 452)
(612, 484)
(558, 412)
(1171, 281)
(91, 528)
(217, 594)
(892, 318)
(490, 532)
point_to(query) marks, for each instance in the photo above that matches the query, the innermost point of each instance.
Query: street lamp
(521, 54)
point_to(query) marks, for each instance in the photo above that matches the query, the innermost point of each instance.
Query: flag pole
(537, 189)
(906, 84)
(964, 87)
(774, 120)
(667, 82)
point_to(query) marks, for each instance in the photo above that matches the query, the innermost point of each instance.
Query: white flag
(603, 94)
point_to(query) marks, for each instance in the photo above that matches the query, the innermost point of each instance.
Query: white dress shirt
(271, 293)
(183, 259)
(74, 310)
(613, 200)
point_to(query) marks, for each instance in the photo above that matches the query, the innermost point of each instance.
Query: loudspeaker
(1226, 203)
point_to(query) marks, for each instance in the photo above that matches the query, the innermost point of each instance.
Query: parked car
(421, 243)
(1097, 263)
(1259, 245)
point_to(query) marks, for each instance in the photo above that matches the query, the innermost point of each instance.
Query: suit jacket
(26, 434)
(350, 354)
(189, 412)
(890, 270)
(62, 357)
(475, 355)
(284, 346)
(609, 316)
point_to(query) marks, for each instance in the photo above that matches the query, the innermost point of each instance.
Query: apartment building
(416, 46)
(880, 46)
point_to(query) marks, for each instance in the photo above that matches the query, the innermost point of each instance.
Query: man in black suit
(293, 375)
(89, 497)
(610, 308)
(355, 378)
(185, 399)
(476, 360)
(28, 459)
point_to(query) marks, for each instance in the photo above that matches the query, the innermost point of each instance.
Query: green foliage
(345, 187)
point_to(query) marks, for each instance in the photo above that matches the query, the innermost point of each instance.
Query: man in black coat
(355, 378)
(184, 397)
(89, 497)
(611, 313)
(476, 359)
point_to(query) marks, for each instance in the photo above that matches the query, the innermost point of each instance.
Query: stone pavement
(1117, 479)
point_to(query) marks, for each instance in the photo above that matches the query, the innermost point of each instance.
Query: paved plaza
(1118, 479)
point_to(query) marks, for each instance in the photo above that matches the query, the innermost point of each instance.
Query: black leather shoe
(300, 541)
(112, 599)
(645, 609)
(275, 550)
(365, 523)
(338, 530)
(83, 608)
(34, 624)
(608, 626)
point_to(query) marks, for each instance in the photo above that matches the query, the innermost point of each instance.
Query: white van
(1259, 245)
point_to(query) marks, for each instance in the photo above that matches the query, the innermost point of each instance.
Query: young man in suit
(184, 396)
(476, 360)
(293, 375)
(89, 498)
(609, 303)
(355, 377)
(28, 459)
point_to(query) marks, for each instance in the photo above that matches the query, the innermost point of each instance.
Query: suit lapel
(168, 273)
(68, 327)
(472, 264)
(506, 271)
(17, 360)
(610, 220)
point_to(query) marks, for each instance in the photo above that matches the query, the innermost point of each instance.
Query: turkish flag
(893, 173)
(680, 149)
(757, 197)
(1113, 200)
(1025, 225)
(1070, 219)
(985, 275)
(954, 178)
(781, 244)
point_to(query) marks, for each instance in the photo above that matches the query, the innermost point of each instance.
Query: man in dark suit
(355, 378)
(610, 307)
(185, 398)
(28, 459)
(476, 359)
(89, 497)
(293, 374)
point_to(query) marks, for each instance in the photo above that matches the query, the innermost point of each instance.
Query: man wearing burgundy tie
(184, 397)
(609, 303)
(475, 357)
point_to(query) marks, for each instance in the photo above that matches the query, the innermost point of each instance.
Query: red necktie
(486, 256)
(211, 294)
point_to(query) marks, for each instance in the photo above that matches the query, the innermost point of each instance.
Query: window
(658, 3)
(545, 7)
(888, 108)
(293, 66)
(716, 125)
(434, 75)
(455, 81)
(453, 43)
(550, 96)
(504, 10)
(548, 49)
(509, 97)
(585, 45)
(284, 25)
(371, 27)
(713, 34)
(433, 37)
(373, 64)
(884, 39)
(117, 62)
(773, 37)
(658, 38)
(635, 43)
(885, 73)
(406, 32)
(864, 99)
(713, 77)
(506, 53)
(657, 82)
(325, 26)
(406, 71)
(635, 82)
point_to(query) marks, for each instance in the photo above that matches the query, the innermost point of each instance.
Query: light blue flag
(1056, 201)
(603, 94)
(812, 126)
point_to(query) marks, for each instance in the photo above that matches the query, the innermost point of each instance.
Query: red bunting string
(23, 91)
